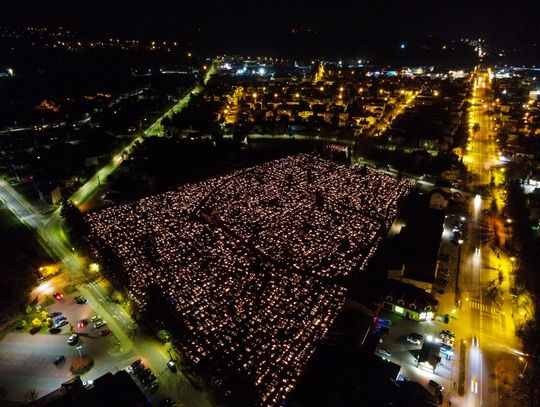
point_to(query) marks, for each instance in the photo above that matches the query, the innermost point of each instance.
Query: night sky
(244, 24)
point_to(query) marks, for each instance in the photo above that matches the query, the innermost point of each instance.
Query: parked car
(73, 339)
(105, 332)
(443, 282)
(135, 364)
(55, 314)
(444, 257)
(152, 387)
(171, 364)
(59, 360)
(146, 380)
(447, 350)
(382, 330)
(444, 272)
(59, 319)
(58, 296)
(168, 402)
(415, 338)
(383, 321)
(447, 333)
(448, 341)
(143, 373)
(99, 324)
(384, 352)
(138, 368)
(61, 323)
(95, 318)
(81, 301)
(435, 386)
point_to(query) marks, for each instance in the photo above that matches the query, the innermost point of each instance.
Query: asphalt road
(487, 325)
(125, 348)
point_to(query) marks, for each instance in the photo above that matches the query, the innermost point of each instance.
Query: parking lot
(27, 361)
(404, 353)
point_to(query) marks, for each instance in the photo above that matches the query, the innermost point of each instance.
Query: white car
(384, 352)
(415, 338)
(73, 339)
(99, 324)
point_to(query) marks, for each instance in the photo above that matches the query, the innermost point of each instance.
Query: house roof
(409, 294)
(419, 243)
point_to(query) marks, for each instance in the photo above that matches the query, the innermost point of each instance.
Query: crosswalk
(483, 307)
(492, 320)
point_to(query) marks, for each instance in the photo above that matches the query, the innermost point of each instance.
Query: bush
(36, 323)
(70, 289)
(46, 302)
(81, 365)
(164, 335)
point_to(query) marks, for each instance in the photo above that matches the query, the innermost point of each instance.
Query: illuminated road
(51, 236)
(485, 317)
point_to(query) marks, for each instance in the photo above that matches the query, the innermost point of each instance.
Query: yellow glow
(44, 288)
(49, 270)
(254, 95)
(94, 267)
(297, 95)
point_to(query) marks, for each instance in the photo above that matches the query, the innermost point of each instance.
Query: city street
(487, 326)
(125, 348)
(482, 322)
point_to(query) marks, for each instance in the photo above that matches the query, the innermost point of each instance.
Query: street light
(79, 350)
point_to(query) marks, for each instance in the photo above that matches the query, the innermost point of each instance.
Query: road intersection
(50, 233)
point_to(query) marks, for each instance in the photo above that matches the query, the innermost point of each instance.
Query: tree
(74, 220)
(164, 335)
(36, 323)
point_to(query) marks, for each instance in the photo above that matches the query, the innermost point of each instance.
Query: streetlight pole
(79, 350)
